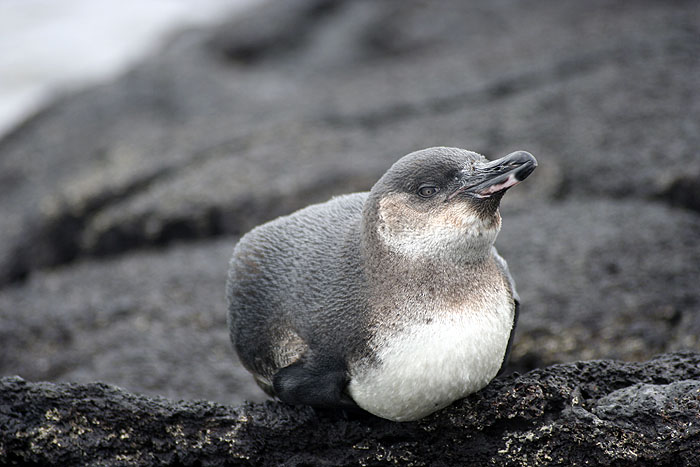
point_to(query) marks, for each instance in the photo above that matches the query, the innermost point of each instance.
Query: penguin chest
(428, 365)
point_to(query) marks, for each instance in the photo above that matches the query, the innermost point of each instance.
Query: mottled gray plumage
(394, 299)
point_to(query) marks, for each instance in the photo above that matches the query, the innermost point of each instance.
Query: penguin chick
(393, 300)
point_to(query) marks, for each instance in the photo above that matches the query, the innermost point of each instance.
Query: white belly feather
(428, 366)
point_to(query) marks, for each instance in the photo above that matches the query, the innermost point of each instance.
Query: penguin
(393, 300)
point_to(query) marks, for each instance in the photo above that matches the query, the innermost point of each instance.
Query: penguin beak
(497, 176)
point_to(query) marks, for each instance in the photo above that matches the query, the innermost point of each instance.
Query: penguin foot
(349, 413)
(316, 383)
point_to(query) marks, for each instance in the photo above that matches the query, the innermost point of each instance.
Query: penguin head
(443, 202)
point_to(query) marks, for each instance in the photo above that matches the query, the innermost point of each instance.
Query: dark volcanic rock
(594, 413)
(113, 200)
(622, 274)
(178, 147)
(153, 323)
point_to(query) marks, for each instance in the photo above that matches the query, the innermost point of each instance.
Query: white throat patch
(453, 233)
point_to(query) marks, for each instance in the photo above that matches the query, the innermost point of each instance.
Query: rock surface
(112, 323)
(593, 413)
(120, 205)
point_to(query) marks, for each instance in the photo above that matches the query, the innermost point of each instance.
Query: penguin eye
(427, 191)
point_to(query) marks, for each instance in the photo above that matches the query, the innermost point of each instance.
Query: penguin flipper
(316, 382)
(516, 312)
(516, 301)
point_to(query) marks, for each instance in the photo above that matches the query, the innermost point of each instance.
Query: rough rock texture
(627, 288)
(593, 413)
(120, 205)
(229, 127)
(164, 340)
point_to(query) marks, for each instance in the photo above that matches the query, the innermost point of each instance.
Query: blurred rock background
(121, 202)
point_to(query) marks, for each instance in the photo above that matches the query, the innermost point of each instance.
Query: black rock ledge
(594, 413)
